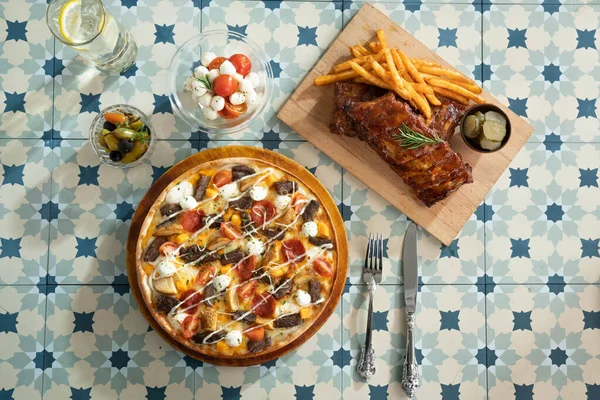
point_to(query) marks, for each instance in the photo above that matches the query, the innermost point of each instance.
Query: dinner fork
(372, 277)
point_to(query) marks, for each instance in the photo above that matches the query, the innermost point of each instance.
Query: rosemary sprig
(205, 82)
(413, 140)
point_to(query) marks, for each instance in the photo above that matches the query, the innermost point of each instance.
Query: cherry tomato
(193, 301)
(264, 305)
(298, 202)
(262, 211)
(189, 326)
(229, 231)
(246, 268)
(242, 64)
(192, 220)
(216, 63)
(206, 274)
(247, 289)
(322, 267)
(256, 334)
(222, 178)
(115, 118)
(225, 85)
(167, 247)
(292, 249)
(225, 114)
(236, 110)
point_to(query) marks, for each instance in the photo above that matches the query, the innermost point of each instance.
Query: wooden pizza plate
(308, 112)
(282, 162)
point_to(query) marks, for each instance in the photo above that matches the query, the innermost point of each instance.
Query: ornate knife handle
(366, 363)
(410, 371)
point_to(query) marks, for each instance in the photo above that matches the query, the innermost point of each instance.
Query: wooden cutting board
(308, 112)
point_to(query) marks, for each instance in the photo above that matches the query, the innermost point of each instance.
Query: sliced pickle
(138, 150)
(480, 116)
(472, 126)
(494, 131)
(112, 142)
(488, 144)
(495, 116)
(124, 133)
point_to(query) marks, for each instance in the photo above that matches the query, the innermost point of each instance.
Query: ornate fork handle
(366, 363)
(410, 371)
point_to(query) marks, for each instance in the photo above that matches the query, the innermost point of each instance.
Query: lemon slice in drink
(73, 27)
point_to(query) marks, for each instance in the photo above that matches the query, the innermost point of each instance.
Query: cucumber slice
(493, 131)
(480, 117)
(488, 144)
(495, 116)
(472, 126)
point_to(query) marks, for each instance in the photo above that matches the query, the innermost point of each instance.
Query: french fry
(456, 89)
(382, 38)
(372, 80)
(363, 50)
(471, 88)
(416, 75)
(387, 54)
(422, 88)
(355, 52)
(437, 71)
(419, 62)
(328, 79)
(345, 66)
(387, 78)
(375, 47)
(451, 95)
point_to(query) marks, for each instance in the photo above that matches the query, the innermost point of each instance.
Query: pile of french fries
(414, 79)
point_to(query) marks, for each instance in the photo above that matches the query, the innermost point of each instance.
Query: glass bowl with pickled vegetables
(485, 128)
(122, 136)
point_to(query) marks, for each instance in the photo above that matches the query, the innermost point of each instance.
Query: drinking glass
(88, 28)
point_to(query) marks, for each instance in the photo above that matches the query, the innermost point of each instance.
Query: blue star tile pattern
(378, 392)
(554, 212)
(519, 248)
(558, 357)
(231, 393)
(380, 320)
(307, 36)
(590, 248)
(341, 357)
(156, 393)
(131, 72)
(14, 102)
(591, 319)
(129, 3)
(553, 142)
(81, 393)
(86, 247)
(447, 37)
(482, 72)
(272, 4)
(124, 211)
(162, 104)
(588, 177)
(84, 322)
(450, 392)
(10, 248)
(49, 211)
(157, 172)
(450, 320)
(586, 39)
(518, 177)
(523, 392)
(451, 250)
(485, 212)
(517, 38)
(556, 284)
(276, 67)
(90, 103)
(16, 30)
(88, 175)
(413, 6)
(13, 174)
(592, 391)
(304, 392)
(521, 320)
(552, 73)
(8, 322)
(43, 359)
(119, 359)
(164, 34)
(519, 106)
(551, 6)
(241, 29)
(586, 108)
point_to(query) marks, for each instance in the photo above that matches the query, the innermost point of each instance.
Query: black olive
(109, 125)
(125, 145)
(116, 155)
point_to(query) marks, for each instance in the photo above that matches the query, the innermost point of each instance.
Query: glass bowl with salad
(220, 82)
(485, 128)
(122, 136)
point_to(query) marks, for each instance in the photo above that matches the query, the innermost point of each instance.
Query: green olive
(139, 148)
(494, 131)
(102, 141)
(112, 142)
(124, 133)
(472, 126)
(496, 117)
(104, 132)
(137, 125)
(489, 144)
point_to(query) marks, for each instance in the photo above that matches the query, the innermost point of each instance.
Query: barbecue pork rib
(433, 171)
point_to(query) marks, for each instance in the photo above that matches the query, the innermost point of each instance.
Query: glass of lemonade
(88, 28)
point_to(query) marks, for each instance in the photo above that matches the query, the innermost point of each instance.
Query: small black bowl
(484, 108)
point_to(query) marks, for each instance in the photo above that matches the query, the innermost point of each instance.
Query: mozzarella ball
(237, 98)
(245, 86)
(238, 77)
(229, 191)
(313, 253)
(288, 308)
(210, 114)
(187, 188)
(217, 103)
(205, 99)
(227, 68)
(188, 203)
(187, 85)
(302, 298)
(233, 338)
(253, 78)
(221, 282)
(255, 247)
(251, 98)
(200, 71)
(199, 88)
(165, 269)
(282, 202)
(178, 192)
(207, 58)
(310, 228)
(212, 75)
(258, 193)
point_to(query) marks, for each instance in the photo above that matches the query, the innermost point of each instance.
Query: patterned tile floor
(510, 310)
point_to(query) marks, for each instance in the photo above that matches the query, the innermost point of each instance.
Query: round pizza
(236, 257)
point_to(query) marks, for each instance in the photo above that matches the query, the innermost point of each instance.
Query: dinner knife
(410, 370)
